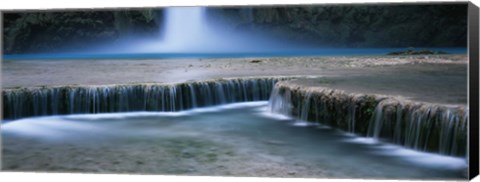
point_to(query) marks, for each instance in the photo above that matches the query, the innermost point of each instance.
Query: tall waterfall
(188, 30)
(184, 26)
(421, 126)
(18, 103)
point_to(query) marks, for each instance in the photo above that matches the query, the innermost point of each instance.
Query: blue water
(239, 54)
(95, 142)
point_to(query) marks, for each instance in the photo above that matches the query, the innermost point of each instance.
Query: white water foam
(361, 140)
(49, 127)
(300, 123)
(122, 115)
(410, 155)
(56, 127)
(265, 111)
(422, 158)
(40, 125)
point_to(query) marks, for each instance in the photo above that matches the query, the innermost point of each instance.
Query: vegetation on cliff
(49, 30)
(415, 52)
(427, 25)
(432, 25)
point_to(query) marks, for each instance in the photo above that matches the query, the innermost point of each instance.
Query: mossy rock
(413, 52)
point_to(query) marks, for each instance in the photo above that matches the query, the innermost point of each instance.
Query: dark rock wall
(440, 25)
(45, 31)
(430, 25)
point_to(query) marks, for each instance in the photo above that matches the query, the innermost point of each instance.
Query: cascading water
(280, 102)
(420, 126)
(188, 30)
(183, 27)
(18, 103)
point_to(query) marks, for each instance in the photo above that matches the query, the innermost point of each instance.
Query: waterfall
(421, 126)
(183, 26)
(280, 102)
(25, 102)
(304, 111)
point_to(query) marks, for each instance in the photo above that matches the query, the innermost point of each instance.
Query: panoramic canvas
(376, 91)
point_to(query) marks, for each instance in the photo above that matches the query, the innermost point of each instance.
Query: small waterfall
(192, 95)
(351, 113)
(417, 125)
(18, 103)
(421, 126)
(377, 121)
(280, 101)
(304, 111)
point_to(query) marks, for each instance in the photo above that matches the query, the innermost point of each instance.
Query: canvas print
(362, 91)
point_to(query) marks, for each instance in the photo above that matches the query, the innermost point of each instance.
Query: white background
(62, 4)
(76, 4)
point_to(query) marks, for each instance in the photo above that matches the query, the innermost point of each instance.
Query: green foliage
(441, 25)
(362, 25)
(413, 52)
(368, 107)
(46, 31)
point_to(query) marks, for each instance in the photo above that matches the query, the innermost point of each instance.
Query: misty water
(188, 32)
(233, 54)
(242, 139)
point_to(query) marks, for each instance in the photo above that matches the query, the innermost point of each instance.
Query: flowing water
(184, 27)
(421, 126)
(242, 139)
(18, 103)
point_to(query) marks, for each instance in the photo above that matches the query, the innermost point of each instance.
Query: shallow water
(235, 53)
(241, 139)
(433, 83)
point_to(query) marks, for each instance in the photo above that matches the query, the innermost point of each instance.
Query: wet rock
(419, 125)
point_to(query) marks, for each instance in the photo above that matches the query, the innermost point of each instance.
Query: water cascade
(422, 126)
(25, 102)
(192, 31)
(184, 26)
(186, 30)
(418, 125)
